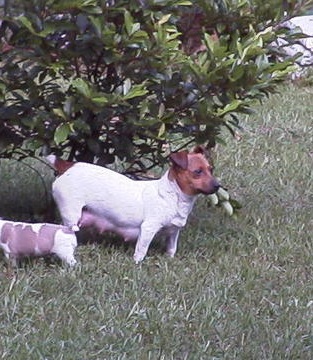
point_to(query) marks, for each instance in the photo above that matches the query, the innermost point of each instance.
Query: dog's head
(193, 172)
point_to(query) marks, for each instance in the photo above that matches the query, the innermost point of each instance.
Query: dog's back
(106, 190)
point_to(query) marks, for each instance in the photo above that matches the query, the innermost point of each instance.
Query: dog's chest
(176, 214)
(167, 204)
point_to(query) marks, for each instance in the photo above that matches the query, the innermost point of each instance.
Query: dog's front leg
(147, 233)
(171, 242)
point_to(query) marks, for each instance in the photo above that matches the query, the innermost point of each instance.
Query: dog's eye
(198, 172)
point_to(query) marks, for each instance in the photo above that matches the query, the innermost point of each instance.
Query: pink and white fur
(20, 239)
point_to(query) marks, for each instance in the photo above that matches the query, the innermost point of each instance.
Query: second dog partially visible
(20, 239)
(90, 195)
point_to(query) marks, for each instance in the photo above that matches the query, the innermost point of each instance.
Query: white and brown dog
(90, 195)
(20, 239)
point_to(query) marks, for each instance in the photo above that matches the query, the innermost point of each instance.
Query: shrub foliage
(131, 80)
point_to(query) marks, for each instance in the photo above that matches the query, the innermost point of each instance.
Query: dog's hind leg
(71, 216)
(70, 211)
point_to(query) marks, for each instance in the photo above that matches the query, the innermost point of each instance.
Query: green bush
(132, 80)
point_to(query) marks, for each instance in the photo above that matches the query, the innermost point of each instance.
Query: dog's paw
(138, 258)
(171, 252)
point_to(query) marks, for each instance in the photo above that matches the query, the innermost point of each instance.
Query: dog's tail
(59, 165)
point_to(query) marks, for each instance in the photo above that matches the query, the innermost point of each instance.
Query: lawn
(239, 287)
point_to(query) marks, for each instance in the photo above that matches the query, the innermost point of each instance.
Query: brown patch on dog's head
(193, 172)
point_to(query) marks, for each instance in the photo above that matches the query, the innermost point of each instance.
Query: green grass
(239, 288)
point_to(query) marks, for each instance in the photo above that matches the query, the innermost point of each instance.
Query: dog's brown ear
(201, 149)
(180, 159)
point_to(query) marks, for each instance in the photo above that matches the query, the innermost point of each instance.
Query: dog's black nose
(216, 186)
